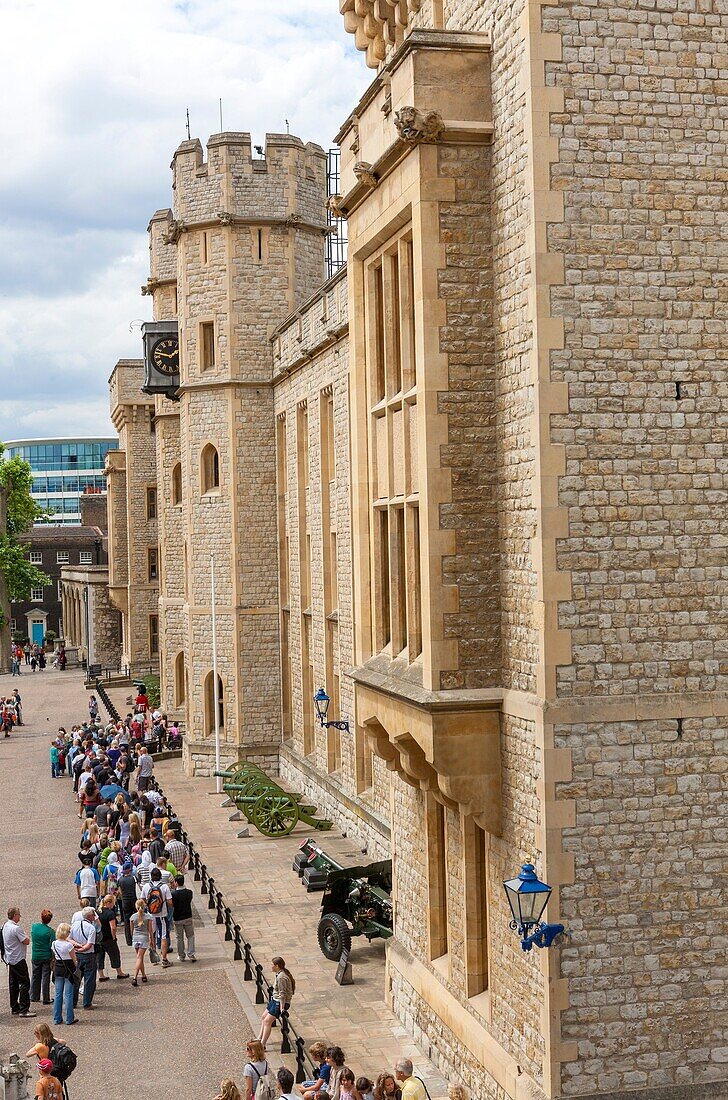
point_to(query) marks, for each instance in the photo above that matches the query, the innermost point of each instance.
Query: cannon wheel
(334, 936)
(275, 814)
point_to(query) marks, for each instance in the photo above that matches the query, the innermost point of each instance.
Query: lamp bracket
(543, 935)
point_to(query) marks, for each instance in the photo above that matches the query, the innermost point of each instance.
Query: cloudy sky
(94, 99)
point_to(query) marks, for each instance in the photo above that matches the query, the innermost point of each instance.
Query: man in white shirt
(83, 934)
(160, 914)
(144, 771)
(15, 948)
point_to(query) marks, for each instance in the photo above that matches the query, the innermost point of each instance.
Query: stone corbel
(380, 744)
(149, 287)
(225, 217)
(413, 126)
(364, 174)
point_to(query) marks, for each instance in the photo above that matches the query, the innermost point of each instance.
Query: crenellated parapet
(284, 185)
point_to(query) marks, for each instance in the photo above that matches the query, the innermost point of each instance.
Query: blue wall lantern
(322, 701)
(528, 897)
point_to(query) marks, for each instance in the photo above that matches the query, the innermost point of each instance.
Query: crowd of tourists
(130, 889)
(34, 656)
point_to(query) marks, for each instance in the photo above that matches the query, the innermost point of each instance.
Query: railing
(243, 952)
(104, 697)
(120, 672)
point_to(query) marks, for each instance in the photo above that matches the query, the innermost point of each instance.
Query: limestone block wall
(647, 912)
(171, 558)
(644, 212)
(311, 368)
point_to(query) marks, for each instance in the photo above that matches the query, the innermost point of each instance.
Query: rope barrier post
(228, 923)
(211, 898)
(238, 954)
(248, 956)
(220, 919)
(300, 1060)
(285, 1033)
(259, 995)
(203, 875)
(196, 865)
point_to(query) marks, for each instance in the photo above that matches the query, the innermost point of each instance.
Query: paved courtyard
(177, 1036)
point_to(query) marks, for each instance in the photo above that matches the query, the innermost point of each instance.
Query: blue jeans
(64, 994)
(87, 966)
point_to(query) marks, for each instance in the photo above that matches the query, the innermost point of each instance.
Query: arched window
(210, 469)
(210, 705)
(179, 679)
(177, 483)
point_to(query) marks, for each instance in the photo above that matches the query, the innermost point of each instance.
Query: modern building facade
(63, 470)
(470, 486)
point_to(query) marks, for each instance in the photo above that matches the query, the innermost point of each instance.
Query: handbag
(71, 972)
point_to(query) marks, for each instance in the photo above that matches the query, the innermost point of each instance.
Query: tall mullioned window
(391, 380)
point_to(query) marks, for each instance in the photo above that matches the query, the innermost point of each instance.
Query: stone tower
(247, 235)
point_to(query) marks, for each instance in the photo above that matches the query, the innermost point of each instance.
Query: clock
(165, 355)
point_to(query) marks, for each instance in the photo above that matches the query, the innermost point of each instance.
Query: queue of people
(130, 890)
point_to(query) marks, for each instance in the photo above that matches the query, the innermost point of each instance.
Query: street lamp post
(528, 898)
(322, 701)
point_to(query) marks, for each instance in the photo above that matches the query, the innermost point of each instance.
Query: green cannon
(274, 811)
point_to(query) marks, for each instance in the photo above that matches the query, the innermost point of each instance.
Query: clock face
(165, 355)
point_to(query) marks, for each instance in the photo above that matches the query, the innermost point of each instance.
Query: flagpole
(215, 689)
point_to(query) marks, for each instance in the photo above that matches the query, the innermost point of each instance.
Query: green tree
(22, 511)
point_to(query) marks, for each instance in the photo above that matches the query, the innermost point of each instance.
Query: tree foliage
(22, 512)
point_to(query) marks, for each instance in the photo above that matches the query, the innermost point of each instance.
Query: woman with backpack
(255, 1068)
(284, 986)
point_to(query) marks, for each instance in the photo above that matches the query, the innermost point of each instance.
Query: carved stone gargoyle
(414, 126)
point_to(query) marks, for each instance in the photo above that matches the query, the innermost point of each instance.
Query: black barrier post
(228, 923)
(285, 1033)
(259, 995)
(300, 1060)
(196, 865)
(203, 875)
(220, 919)
(212, 891)
(248, 955)
(238, 954)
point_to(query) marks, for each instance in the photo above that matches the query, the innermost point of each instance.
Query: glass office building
(63, 469)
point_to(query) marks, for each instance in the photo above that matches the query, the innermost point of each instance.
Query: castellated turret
(241, 246)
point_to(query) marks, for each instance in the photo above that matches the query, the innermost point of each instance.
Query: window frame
(63, 557)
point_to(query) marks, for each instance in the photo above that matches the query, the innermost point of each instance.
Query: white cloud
(94, 103)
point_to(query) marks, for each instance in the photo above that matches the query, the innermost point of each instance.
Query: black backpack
(64, 1061)
(2, 945)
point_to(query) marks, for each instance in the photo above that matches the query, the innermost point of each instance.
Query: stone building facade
(132, 504)
(475, 486)
(52, 548)
(92, 624)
